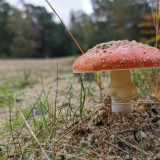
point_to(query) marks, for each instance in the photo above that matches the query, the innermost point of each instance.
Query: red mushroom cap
(117, 55)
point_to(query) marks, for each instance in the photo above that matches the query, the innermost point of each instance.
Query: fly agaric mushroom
(119, 57)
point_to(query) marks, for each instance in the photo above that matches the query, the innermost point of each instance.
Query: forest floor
(84, 127)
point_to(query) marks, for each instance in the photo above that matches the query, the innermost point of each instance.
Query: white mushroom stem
(121, 89)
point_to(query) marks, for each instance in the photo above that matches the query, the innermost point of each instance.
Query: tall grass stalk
(82, 98)
(55, 115)
(71, 35)
(100, 87)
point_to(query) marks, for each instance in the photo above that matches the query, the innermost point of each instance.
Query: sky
(62, 7)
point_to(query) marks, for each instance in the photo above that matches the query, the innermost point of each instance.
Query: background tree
(5, 37)
(53, 39)
(32, 31)
(118, 19)
(111, 20)
(23, 36)
(82, 27)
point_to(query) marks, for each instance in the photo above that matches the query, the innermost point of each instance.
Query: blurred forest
(33, 32)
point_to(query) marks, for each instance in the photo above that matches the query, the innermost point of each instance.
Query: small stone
(155, 111)
(143, 134)
(96, 141)
(127, 156)
(119, 158)
(110, 150)
(151, 136)
(83, 143)
(134, 158)
(65, 151)
(112, 137)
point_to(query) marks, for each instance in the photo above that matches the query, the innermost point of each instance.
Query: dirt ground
(108, 136)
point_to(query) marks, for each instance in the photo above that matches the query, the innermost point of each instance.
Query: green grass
(142, 78)
(10, 87)
(42, 126)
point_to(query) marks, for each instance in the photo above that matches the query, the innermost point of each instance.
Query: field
(24, 78)
(32, 92)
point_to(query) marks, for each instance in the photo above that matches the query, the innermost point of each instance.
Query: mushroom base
(124, 106)
(122, 90)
